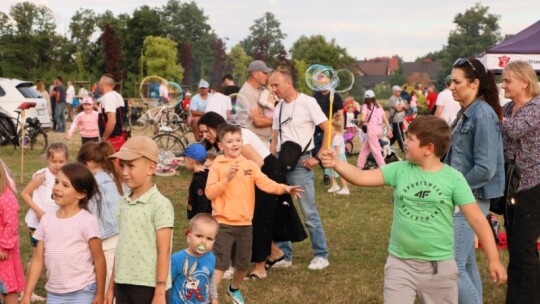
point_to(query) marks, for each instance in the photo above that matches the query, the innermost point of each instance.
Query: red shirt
(431, 98)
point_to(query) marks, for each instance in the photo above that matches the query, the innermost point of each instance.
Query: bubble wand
(325, 78)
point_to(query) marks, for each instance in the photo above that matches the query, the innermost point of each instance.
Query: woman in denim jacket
(521, 136)
(476, 150)
(96, 157)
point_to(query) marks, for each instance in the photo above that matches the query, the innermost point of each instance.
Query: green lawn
(357, 228)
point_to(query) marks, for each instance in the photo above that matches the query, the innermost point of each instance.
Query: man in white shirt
(70, 94)
(111, 105)
(447, 107)
(295, 119)
(220, 104)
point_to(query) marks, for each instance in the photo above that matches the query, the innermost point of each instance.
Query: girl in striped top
(69, 243)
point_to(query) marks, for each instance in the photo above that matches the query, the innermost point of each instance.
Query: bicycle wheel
(141, 122)
(7, 130)
(39, 142)
(171, 120)
(168, 142)
(187, 138)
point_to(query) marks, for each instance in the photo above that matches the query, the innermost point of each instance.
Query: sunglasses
(462, 61)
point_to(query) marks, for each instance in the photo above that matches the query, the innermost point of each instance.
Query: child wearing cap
(145, 220)
(192, 269)
(86, 121)
(197, 202)
(230, 187)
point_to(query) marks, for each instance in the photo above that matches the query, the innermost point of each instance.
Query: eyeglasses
(461, 62)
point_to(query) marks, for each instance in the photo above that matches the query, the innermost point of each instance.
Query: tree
(316, 50)
(145, 21)
(476, 30)
(265, 39)
(31, 19)
(219, 60)
(159, 57)
(82, 26)
(187, 25)
(301, 85)
(239, 61)
(110, 46)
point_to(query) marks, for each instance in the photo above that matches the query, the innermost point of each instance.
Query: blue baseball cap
(196, 152)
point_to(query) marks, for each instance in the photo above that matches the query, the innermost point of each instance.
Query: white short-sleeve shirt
(298, 120)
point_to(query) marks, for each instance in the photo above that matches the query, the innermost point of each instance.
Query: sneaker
(326, 179)
(333, 189)
(318, 263)
(282, 264)
(236, 296)
(344, 191)
(228, 274)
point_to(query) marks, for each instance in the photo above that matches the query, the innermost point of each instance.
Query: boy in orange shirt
(231, 188)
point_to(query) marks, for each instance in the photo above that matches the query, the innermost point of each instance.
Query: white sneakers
(318, 263)
(336, 189)
(333, 189)
(282, 264)
(344, 191)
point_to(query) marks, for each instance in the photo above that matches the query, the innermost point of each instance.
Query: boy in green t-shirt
(145, 219)
(426, 191)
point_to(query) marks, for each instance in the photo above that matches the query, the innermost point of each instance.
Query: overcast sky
(365, 28)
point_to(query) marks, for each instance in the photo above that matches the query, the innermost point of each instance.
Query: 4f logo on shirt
(422, 194)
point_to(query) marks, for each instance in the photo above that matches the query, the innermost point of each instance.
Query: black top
(197, 201)
(228, 90)
(60, 88)
(324, 103)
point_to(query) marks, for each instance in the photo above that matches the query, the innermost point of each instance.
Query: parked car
(14, 92)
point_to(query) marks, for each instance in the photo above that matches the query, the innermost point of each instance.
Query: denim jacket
(109, 200)
(476, 150)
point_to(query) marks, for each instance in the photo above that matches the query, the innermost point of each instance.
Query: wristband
(317, 158)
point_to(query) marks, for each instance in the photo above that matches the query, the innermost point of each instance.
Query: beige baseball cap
(137, 147)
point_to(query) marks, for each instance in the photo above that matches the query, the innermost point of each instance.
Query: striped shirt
(521, 138)
(68, 259)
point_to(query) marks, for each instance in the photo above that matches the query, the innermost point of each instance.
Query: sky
(366, 29)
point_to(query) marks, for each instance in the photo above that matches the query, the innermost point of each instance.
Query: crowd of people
(103, 230)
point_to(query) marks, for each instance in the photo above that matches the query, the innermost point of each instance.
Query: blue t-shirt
(424, 204)
(198, 104)
(191, 277)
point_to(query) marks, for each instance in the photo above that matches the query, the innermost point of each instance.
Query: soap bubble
(241, 112)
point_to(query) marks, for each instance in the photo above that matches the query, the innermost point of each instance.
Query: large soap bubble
(324, 78)
(241, 114)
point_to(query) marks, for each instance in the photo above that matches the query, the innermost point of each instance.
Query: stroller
(389, 153)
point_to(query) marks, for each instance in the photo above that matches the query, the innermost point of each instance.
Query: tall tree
(82, 26)
(476, 30)
(186, 24)
(31, 19)
(219, 60)
(110, 47)
(265, 40)
(238, 61)
(316, 50)
(159, 57)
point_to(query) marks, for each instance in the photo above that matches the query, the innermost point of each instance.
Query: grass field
(357, 228)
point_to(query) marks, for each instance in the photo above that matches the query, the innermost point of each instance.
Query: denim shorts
(83, 296)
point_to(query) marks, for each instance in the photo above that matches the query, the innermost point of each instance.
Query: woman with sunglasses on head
(476, 150)
(521, 138)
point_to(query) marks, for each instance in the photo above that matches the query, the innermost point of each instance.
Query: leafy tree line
(176, 42)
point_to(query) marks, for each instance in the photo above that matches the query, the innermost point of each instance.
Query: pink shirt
(87, 123)
(377, 116)
(68, 259)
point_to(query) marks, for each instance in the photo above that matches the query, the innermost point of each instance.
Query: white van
(14, 92)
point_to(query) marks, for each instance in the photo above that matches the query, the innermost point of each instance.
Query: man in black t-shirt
(323, 99)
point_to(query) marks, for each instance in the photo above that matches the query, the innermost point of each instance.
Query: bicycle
(168, 141)
(157, 117)
(35, 139)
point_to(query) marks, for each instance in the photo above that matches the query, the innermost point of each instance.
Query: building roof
(372, 68)
(369, 82)
(429, 67)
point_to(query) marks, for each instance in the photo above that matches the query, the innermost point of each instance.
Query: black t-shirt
(197, 201)
(228, 90)
(324, 103)
(60, 88)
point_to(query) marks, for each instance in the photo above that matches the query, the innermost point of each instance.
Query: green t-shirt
(424, 206)
(136, 253)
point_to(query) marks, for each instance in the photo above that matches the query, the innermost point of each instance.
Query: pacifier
(201, 248)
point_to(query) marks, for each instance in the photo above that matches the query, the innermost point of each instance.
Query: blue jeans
(304, 178)
(469, 282)
(59, 116)
(83, 296)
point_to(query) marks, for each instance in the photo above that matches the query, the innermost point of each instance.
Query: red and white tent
(524, 46)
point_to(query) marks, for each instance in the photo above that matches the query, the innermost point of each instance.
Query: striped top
(69, 262)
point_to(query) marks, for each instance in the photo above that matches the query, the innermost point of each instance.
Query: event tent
(524, 45)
